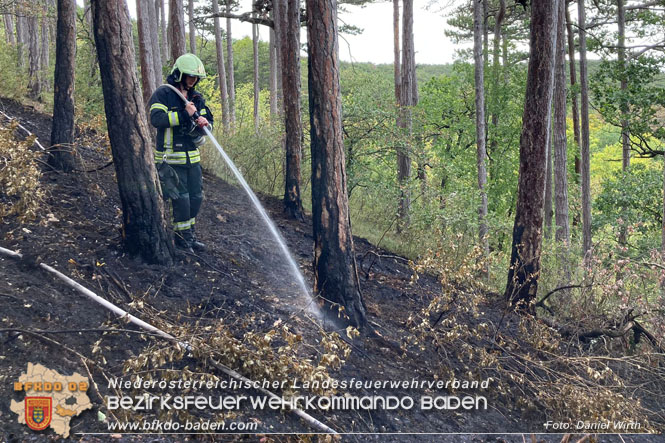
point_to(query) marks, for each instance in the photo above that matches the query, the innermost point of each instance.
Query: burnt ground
(241, 279)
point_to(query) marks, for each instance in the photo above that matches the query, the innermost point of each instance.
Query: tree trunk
(498, 20)
(625, 140)
(621, 56)
(573, 89)
(143, 215)
(290, 50)
(396, 66)
(229, 66)
(44, 49)
(166, 49)
(407, 100)
(255, 53)
(335, 272)
(221, 68)
(524, 268)
(548, 213)
(279, 68)
(562, 232)
(34, 58)
(481, 147)
(21, 36)
(9, 29)
(61, 154)
(584, 147)
(156, 51)
(87, 16)
(176, 29)
(192, 28)
(145, 49)
(272, 48)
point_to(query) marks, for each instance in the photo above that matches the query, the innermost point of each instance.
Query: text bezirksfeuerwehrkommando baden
(387, 401)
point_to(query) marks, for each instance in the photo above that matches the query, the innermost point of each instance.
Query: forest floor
(240, 280)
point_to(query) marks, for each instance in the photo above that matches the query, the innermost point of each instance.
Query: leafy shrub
(19, 176)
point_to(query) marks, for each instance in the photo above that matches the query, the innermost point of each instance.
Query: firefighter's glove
(169, 180)
(202, 122)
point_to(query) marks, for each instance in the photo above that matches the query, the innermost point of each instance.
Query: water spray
(312, 307)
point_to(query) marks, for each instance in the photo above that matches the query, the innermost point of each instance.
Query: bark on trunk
(548, 213)
(481, 147)
(9, 29)
(34, 58)
(396, 51)
(166, 49)
(176, 29)
(625, 140)
(621, 57)
(335, 273)
(221, 68)
(255, 53)
(584, 147)
(229, 66)
(148, 83)
(524, 268)
(407, 100)
(562, 232)
(498, 20)
(154, 40)
(87, 15)
(272, 48)
(278, 5)
(573, 90)
(44, 49)
(21, 37)
(192, 28)
(61, 154)
(144, 225)
(290, 50)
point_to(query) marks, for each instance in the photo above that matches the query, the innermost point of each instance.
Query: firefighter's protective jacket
(178, 138)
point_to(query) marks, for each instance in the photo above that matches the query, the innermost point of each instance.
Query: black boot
(196, 245)
(183, 241)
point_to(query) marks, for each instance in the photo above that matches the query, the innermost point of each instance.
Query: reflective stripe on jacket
(178, 138)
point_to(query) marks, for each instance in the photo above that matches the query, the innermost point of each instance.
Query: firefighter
(179, 135)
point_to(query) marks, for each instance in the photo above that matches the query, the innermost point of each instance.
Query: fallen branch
(39, 145)
(561, 288)
(125, 315)
(630, 325)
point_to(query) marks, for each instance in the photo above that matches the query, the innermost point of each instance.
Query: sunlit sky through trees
(375, 44)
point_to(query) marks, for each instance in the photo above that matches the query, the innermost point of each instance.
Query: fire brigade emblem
(38, 412)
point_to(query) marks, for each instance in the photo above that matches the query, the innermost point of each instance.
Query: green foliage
(638, 104)
(20, 175)
(11, 73)
(633, 201)
(258, 155)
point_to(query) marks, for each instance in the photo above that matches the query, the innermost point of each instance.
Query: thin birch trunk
(229, 66)
(148, 83)
(562, 233)
(192, 28)
(481, 147)
(584, 149)
(272, 48)
(9, 29)
(154, 40)
(573, 90)
(255, 52)
(221, 68)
